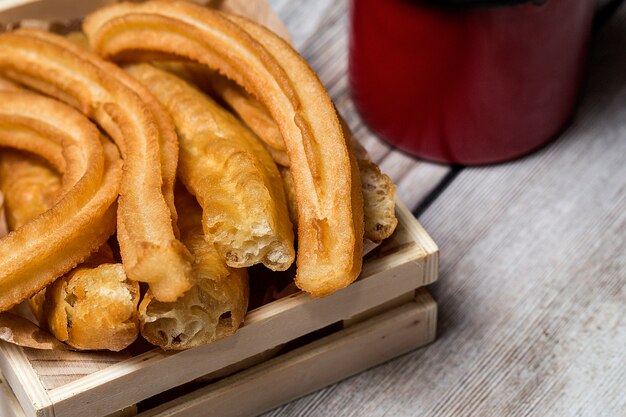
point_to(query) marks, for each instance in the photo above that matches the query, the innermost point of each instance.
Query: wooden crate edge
(67, 395)
(403, 329)
(387, 336)
(423, 239)
(25, 383)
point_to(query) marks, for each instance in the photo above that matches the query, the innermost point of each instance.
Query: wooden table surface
(531, 295)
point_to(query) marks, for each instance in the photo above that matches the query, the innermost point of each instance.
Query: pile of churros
(148, 161)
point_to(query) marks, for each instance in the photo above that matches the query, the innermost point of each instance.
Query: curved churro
(29, 186)
(213, 308)
(234, 179)
(330, 208)
(56, 66)
(76, 42)
(92, 307)
(45, 248)
(378, 189)
(250, 110)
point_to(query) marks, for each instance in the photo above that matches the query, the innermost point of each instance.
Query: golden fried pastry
(244, 211)
(246, 107)
(78, 38)
(250, 111)
(4, 228)
(213, 308)
(327, 185)
(290, 192)
(38, 252)
(141, 129)
(168, 141)
(92, 307)
(379, 193)
(29, 185)
(378, 189)
(6, 85)
(379, 201)
(30, 188)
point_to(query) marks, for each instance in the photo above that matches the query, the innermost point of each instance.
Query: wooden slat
(414, 179)
(387, 335)
(312, 366)
(9, 406)
(532, 288)
(56, 369)
(407, 261)
(277, 323)
(22, 378)
(304, 17)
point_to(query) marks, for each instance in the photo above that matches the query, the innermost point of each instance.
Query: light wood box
(267, 362)
(284, 350)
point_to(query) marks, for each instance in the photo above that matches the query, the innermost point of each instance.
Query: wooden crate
(285, 349)
(380, 310)
(296, 373)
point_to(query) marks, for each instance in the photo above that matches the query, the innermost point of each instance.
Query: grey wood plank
(320, 33)
(303, 18)
(414, 179)
(532, 291)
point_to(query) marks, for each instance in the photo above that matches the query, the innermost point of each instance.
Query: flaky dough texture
(233, 177)
(213, 308)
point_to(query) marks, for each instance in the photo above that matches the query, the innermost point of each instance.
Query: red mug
(467, 85)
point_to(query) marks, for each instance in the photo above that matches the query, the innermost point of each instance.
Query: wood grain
(406, 267)
(314, 365)
(56, 369)
(71, 384)
(531, 294)
(24, 381)
(9, 406)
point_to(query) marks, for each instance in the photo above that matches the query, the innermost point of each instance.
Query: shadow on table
(606, 68)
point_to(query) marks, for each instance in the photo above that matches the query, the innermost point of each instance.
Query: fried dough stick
(249, 110)
(168, 142)
(94, 306)
(30, 187)
(53, 65)
(245, 106)
(34, 255)
(233, 177)
(378, 189)
(213, 308)
(330, 206)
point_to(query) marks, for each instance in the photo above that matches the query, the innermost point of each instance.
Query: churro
(45, 248)
(233, 177)
(213, 308)
(94, 306)
(55, 66)
(378, 189)
(327, 187)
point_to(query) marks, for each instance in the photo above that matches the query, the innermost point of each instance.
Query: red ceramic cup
(467, 85)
